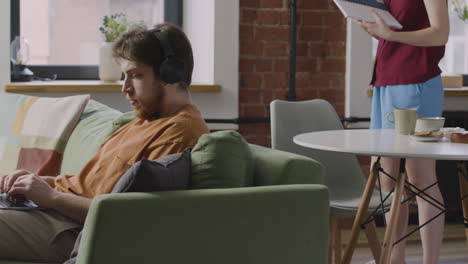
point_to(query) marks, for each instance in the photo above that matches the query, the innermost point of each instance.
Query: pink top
(398, 63)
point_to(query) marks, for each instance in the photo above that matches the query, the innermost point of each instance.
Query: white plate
(426, 139)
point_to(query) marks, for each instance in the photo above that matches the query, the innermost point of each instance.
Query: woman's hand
(434, 35)
(377, 29)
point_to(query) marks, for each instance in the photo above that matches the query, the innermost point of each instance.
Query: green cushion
(221, 160)
(97, 123)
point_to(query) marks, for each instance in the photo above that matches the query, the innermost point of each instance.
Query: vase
(109, 69)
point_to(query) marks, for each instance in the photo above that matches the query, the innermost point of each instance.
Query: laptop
(6, 202)
(361, 10)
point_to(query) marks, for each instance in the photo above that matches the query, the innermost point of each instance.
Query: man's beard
(151, 112)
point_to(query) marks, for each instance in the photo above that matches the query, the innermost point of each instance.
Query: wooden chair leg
(373, 240)
(331, 239)
(337, 242)
(334, 243)
(361, 213)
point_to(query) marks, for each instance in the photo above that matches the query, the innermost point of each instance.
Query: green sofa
(282, 219)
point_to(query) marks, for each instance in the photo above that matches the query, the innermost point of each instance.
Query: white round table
(381, 142)
(384, 143)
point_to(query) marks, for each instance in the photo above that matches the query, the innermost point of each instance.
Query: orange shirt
(139, 138)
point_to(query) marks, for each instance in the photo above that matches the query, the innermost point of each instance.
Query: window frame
(173, 13)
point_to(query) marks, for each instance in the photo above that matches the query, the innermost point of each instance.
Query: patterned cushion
(35, 130)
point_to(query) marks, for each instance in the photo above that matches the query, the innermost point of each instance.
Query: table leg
(362, 212)
(394, 214)
(463, 181)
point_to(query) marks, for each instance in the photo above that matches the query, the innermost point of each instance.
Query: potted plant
(111, 28)
(460, 7)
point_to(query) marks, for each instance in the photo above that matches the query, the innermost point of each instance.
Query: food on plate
(459, 138)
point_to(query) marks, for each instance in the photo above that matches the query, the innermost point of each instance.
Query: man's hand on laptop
(6, 181)
(29, 185)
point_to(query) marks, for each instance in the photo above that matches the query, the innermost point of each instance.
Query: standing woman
(407, 75)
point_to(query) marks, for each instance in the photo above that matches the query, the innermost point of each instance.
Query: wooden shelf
(447, 92)
(456, 91)
(86, 87)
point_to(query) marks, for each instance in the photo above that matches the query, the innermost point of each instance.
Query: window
(63, 35)
(453, 61)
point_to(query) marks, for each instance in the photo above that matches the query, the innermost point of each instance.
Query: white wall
(226, 50)
(4, 44)
(213, 28)
(200, 30)
(359, 66)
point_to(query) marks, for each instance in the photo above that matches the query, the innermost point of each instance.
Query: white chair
(343, 177)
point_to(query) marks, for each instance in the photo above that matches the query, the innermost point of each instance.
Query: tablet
(361, 10)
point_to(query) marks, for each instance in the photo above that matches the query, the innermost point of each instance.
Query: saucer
(426, 139)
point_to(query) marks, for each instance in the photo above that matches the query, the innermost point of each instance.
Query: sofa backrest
(96, 124)
(275, 167)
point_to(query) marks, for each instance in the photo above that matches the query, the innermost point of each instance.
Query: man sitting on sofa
(158, 65)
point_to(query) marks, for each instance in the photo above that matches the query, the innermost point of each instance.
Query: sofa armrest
(275, 167)
(275, 224)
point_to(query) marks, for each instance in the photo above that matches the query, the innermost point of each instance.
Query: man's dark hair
(141, 45)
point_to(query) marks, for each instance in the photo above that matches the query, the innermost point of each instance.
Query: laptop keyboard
(7, 202)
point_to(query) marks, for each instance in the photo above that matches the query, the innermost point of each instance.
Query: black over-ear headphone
(172, 69)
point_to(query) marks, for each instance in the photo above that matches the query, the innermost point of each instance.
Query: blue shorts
(427, 98)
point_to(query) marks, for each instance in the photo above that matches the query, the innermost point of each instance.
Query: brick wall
(264, 53)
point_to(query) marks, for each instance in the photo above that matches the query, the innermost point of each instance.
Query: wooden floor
(454, 248)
